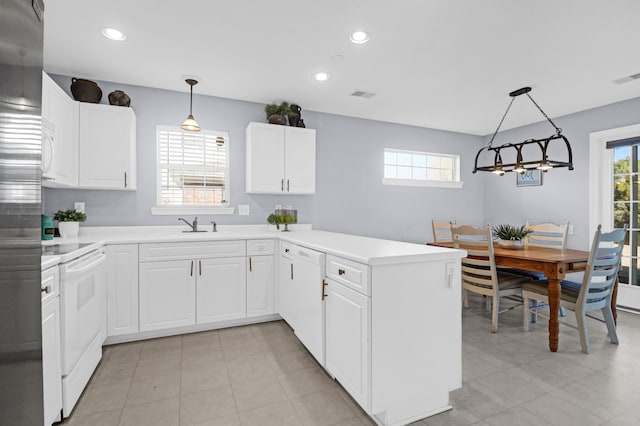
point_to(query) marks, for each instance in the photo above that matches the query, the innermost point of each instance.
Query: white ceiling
(446, 64)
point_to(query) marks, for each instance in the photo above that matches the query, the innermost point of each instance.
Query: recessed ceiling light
(321, 76)
(359, 37)
(113, 34)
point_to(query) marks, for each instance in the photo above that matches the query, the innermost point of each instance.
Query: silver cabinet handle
(200, 267)
(46, 289)
(292, 271)
(125, 179)
(287, 185)
(191, 272)
(250, 266)
(282, 185)
(324, 284)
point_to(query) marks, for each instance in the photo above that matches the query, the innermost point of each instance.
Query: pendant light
(521, 165)
(190, 124)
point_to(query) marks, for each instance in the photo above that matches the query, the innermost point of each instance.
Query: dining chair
(442, 231)
(595, 291)
(479, 272)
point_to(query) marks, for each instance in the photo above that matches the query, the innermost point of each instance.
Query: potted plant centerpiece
(277, 114)
(69, 222)
(510, 236)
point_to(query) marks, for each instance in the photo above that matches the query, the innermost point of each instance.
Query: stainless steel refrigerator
(21, 32)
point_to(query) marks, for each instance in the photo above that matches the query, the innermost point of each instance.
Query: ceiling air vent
(362, 94)
(627, 79)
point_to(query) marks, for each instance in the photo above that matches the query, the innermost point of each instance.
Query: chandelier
(522, 165)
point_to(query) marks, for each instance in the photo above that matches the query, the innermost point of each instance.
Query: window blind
(623, 142)
(193, 168)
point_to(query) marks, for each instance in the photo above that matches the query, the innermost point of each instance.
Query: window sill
(173, 211)
(423, 183)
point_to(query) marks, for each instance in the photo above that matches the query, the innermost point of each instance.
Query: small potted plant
(273, 220)
(69, 222)
(277, 114)
(510, 236)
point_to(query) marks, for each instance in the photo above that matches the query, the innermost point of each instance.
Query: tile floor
(261, 375)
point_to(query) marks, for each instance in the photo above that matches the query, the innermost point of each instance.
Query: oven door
(82, 305)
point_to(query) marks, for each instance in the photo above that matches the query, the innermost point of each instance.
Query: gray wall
(350, 196)
(564, 194)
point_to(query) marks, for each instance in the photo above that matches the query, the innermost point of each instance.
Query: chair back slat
(547, 235)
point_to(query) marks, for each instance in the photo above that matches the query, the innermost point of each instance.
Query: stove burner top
(62, 249)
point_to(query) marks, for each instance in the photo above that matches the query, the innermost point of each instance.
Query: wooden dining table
(555, 264)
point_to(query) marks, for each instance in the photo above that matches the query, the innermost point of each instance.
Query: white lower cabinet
(167, 294)
(260, 285)
(348, 353)
(51, 362)
(122, 289)
(220, 289)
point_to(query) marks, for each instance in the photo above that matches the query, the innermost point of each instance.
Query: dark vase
(301, 123)
(294, 115)
(85, 90)
(119, 98)
(277, 119)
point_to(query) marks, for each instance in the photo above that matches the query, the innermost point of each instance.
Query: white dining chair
(595, 291)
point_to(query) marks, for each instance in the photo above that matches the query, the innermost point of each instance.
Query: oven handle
(82, 267)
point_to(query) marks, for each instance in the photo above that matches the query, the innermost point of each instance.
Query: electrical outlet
(570, 230)
(243, 209)
(79, 206)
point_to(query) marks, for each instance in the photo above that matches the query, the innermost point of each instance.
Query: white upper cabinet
(280, 159)
(60, 136)
(107, 147)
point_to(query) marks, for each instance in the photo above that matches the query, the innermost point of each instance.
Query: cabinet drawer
(259, 247)
(199, 250)
(352, 274)
(50, 283)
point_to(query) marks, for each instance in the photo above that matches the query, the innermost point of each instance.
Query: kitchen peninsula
(381, 317)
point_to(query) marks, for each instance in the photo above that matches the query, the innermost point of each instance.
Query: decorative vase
(68, 229)
(301, 123)
(511, 244)
(85, 90)
(119, 98)
(277, 119)
(294, 115)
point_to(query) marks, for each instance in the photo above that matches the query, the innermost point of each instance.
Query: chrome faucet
(214, 227)
(193, 226)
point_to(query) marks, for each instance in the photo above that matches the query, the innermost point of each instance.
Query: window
(414, 168)
(192, 171)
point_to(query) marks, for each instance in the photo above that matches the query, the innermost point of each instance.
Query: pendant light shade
(190, 124)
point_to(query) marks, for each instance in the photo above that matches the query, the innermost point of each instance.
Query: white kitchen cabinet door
(51, 363)
(221, 289)
(265, 158)
(107, 143)
(280, 159)
(286, 295)
(348, 352)
(122, 289)
(260, 283)
(60, 148)
(300, 160)
(167, 294)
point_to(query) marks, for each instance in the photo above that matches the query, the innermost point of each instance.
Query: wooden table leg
(553, 288)
(614, 301)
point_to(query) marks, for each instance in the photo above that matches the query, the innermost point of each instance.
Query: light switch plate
(243, 209)
(79, 206)
(570, 230)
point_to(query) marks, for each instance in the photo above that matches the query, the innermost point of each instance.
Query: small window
(192, 171)
(414, 168)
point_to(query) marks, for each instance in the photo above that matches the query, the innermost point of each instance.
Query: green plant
(282, 109)
(70, 215)
(510, 232)
(273, 220)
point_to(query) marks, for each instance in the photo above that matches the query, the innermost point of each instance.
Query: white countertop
(371, 251)
(49, 261)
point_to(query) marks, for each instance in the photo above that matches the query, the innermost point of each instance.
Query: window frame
(456, 183)
(159, 209)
